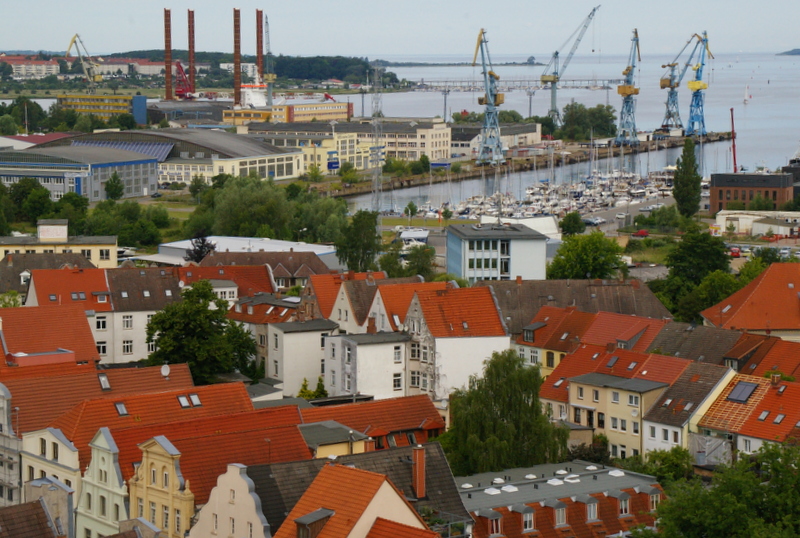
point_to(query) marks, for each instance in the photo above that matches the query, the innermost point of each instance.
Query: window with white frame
(527, 522)
(101, 348)
(165, 512)
(425, 351)
(654, 500)
(534, 356)
(495, 526)
(580, 393)
(347, 382)
(415, 350)
(652, 432)
(424, 381)
(748, 445)
(624, 507)
(561, 516)
(614, 423)
(675, 437)
(100, 323)
(398, 357)
(348, 352)
(591, 511)
(615, 397)
(595, 395)
(127, 321)
(623, 425)
(414, 378)
(127, 347)
(635, 426)
(333, 377)
(397, 381)
(151, 347)
(633, 399)
(665, 434)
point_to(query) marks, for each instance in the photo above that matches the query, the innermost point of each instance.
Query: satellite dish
(181, 283)
(165, 370)
(635, 413)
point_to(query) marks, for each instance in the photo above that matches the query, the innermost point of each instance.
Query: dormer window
(561, 516)
(624, 506)
(591, 511)
(527, 336)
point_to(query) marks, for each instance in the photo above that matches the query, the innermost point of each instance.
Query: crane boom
(626, 134)
(697, 122)
(490, 150)
(552, 74)
(671, 80)
(88, 66)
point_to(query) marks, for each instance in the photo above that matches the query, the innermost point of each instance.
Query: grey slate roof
(362, 292)
(301, 403)
(520, 301)
(694, 385)
(281, 485)
(92, 154)
(13, 264)
(377, 338)
(158, 281)
(328, 432)
(306, 326)
(614, 382)
(71, 240)
(492, 231)
(708, 344)
(298, 264)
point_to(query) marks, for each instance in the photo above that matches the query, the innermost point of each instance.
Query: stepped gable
(520, 300)
(465, 312)
(397, 297)
(43, 399)
(280, 486)
(360, 293)
(682, 398)
(23, 332)
(727, 414)
(767, 303)
(324, 288)
(80, 424)
(695, 342)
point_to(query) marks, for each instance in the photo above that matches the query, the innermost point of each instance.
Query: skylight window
(74, 296)
(779, 419)
(595, 356)
(121, 409)
(184, 401)
(491, 491)
(104, 384)
(146, 293)
(725, 310)
(688, 406)
(82, 295)
(612, 361)
(464, 324)
(558, 383)
(564, 336)
(667, 402)
(632, 365)
(168, 293)
(124, 294)
(195, 399)
(270, 309)
(52, 297)
(742, 392)
(763, 416)
(781, 389)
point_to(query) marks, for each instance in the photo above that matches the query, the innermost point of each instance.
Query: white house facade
(296, 352)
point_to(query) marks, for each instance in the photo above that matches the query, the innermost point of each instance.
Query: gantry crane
(553, 73)
(491, 147)
(269, 75)
(697, 121)
(87, 64)
(672, 81)
(626, 134)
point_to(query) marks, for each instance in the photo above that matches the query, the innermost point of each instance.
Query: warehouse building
(106, 106)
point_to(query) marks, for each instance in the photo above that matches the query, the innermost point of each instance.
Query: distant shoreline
(793, 52)
(384, 63)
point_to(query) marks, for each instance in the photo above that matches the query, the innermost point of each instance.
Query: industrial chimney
(191, 51)
(260, 43)
(237, 59)
(168, 55)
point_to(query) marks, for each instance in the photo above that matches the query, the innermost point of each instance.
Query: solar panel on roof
(157, 150)
(742, 392)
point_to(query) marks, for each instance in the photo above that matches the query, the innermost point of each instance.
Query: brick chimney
(519, 280)
(369, 445)
(610, 347)
(371, 329)
(775, 379)
(418, 471)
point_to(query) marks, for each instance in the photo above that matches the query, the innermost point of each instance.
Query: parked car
(734, 252)
(641, 233)
(785, 252)
(621, 216)
(156, 195)
(646, 209)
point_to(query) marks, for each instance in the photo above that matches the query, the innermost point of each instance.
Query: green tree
(586, 256)
(754, 267)
(714, 288)
(10, 299)
(38, 204)
(667, 466)
(125, 121)
(83, 124)
(320, 391)
(196, 331)
(498, 421)
(8, 126)
(447, 215)
(391, 262)
(197, 187)
(696, 256)
(761, 204)
(163, 124)
(201, 247)
(410, 210)
(359, 242)
(686, 187)
(737, 205)
(19, 191)
(767, 255)
(114, 187)
(572, 224)
(305, 392)
(421, 260)
(314, 174)
(245, 204)
(449, 277)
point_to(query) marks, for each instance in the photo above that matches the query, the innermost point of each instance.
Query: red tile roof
(43, 399)
(782, 356)
(461, 312)
(262, 314)
(128, 440)
(205, 457)
(249, 279)
(662, 369)
(609, 327)
(551, 316)
(80, 424)
(408, 413)
(567, 336)
(384, 528)
(66, 328)
(782, 398)
(729, 416)
(326, 287)
(344, 490)
(397, 297)
(769, 302)
(65, 286)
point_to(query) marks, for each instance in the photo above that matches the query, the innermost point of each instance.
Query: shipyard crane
(626, 134)
(697, 121)
(89, 67)
(491, 147)
(553, 72)
(671, 80)
(269, 75)
(183, 87)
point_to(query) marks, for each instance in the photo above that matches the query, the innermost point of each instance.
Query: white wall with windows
(48, 452)
(295, 354)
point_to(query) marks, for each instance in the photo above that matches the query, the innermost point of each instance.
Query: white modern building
(296, 352)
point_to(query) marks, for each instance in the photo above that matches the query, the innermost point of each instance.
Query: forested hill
(793, 52)
(295, 67)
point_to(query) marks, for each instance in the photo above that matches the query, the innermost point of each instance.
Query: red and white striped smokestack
(260, 43)
(167, 55)
(237, 59)
(191, 51)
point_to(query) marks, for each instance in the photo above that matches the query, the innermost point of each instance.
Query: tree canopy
(686, 186)
(581, 123)
(586, 256)
(114, 187)
(498, 422)
(359, 241)
(697, 255)
(196, 331)
(572, 224)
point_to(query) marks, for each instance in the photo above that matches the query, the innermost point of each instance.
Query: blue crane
(626, 134)
(671, 80)
(491, 147)
(552, 74)
(697, 120)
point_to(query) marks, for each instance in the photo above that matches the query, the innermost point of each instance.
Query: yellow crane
(88, 65)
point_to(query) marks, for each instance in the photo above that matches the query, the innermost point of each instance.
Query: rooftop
(325, 287)
(503, 231)
(376, 338)
(306, 326)
(328, 432)
(614, 382)
(460, 312)
(681, 400)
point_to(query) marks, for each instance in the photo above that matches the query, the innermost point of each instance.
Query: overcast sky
(379, 28)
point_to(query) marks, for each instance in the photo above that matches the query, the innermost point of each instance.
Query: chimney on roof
(775, 379)
(351, 274)
(519, 280)
(611, 346)
(418, 471)
(371, 329)
(369, 445)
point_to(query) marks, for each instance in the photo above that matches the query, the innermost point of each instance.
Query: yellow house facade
(52, 237)
(158, 490)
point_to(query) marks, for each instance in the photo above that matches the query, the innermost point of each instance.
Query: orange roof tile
(86, 287)
(249, 279)
(384, 528)
(568, 334)
(763, 304)
(662, 369)
(729, 416)
(80, 424)
(397, 297)
(610, 327)
(344, 490)
(326, 287)
(43, 399)
(551, 316)
(407, 413)
(782, 356)
(461, 312)
(128, 440)
(205, 457)
(22, 330)
(780, 403)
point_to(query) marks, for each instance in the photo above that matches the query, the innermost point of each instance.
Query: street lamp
(530, 93)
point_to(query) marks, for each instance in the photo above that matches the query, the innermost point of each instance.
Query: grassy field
(420, 222)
